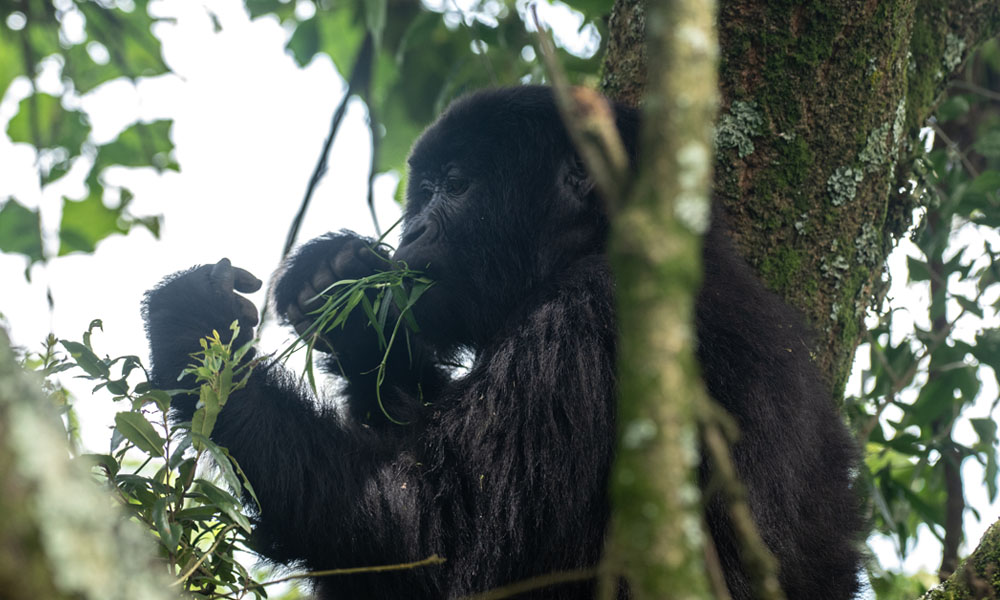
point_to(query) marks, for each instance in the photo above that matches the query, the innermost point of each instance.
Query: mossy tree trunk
(821, 106)
(822, 103)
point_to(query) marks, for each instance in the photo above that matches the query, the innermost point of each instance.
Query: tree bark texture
(822, 104)
(978, 577)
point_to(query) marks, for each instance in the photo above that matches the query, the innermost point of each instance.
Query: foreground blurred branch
(60, 536)
(655, 253)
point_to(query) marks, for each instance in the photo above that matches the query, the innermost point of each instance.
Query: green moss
(781, 268)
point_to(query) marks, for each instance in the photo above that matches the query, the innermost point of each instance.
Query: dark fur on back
(504, 470)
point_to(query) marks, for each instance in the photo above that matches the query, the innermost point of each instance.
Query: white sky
(248, 128)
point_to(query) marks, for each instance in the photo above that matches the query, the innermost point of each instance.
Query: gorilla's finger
(347, 263)
(247, 311)
(307, 299)
(293, 314)
(222, 275)
(301, 327)
(321, 280)
(245, 282)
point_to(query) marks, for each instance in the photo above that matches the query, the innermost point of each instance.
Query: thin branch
(761, 566)
(218, 540)
(431, 560)
(955, 148)
(373, 130)
(590, 123)
(535, 583)
(360, 75)
(976, 89)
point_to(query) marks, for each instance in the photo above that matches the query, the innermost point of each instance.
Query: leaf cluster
(376, 295)
(928, 367)
(158, 472)
(87, 44)
(424, 57)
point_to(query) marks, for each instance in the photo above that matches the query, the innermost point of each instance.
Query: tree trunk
(822, 104)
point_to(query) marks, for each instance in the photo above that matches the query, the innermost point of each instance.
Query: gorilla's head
(498, 203)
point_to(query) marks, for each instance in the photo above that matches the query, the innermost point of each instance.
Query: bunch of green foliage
(927, 370)
(155, 470)
(376, 295)
(86, 44)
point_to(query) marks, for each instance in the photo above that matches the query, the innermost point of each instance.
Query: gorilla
(503, 469)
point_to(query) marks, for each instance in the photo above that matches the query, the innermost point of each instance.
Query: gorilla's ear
(573, 178)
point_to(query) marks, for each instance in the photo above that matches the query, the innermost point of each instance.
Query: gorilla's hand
(188, 305)
(308, 275)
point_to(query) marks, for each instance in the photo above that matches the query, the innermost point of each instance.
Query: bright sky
(248, 128)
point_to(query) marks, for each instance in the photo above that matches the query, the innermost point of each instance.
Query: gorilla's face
(497, 204)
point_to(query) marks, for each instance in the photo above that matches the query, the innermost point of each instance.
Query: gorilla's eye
(455, 185)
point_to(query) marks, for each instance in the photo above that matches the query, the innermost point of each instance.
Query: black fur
(504, 470)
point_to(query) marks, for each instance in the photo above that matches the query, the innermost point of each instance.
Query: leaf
(140, 432)
(56, 126)
(86, 222)
(375, 11)
(222, 461)
(105, 462)
(919, 270)
(170, 533)
(20, 231)
(205, 416)
(225, 501)
(140, 145)
(952, 108)
(158, 397)
(258, 8)
(11, 61)
(988, 143)
(304, 43)
(86, 359)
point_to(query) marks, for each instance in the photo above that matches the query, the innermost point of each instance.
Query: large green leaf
(87, 222)
(133, 49)
(140, 432)
(20, 231)
(141, 145)
(42, 121)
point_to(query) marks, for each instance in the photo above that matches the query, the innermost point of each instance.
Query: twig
(535, 583)
(955, 148)
(590, 123)
(360, 75)
(761, 566)
(373, 168)
(431, 560)
(218, 540)
(976, 89)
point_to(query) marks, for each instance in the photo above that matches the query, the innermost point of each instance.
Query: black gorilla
(504, 470)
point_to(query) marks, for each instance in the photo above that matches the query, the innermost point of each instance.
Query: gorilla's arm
(279, 437)
(793, 454)
(352, 351)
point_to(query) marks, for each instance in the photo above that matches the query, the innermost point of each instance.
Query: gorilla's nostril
(412, 234)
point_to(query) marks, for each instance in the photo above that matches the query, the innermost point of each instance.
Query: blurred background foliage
(924, 404)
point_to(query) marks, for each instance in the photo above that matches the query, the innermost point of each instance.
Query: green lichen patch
(843, 185)
(868, 246)
(737, 128)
